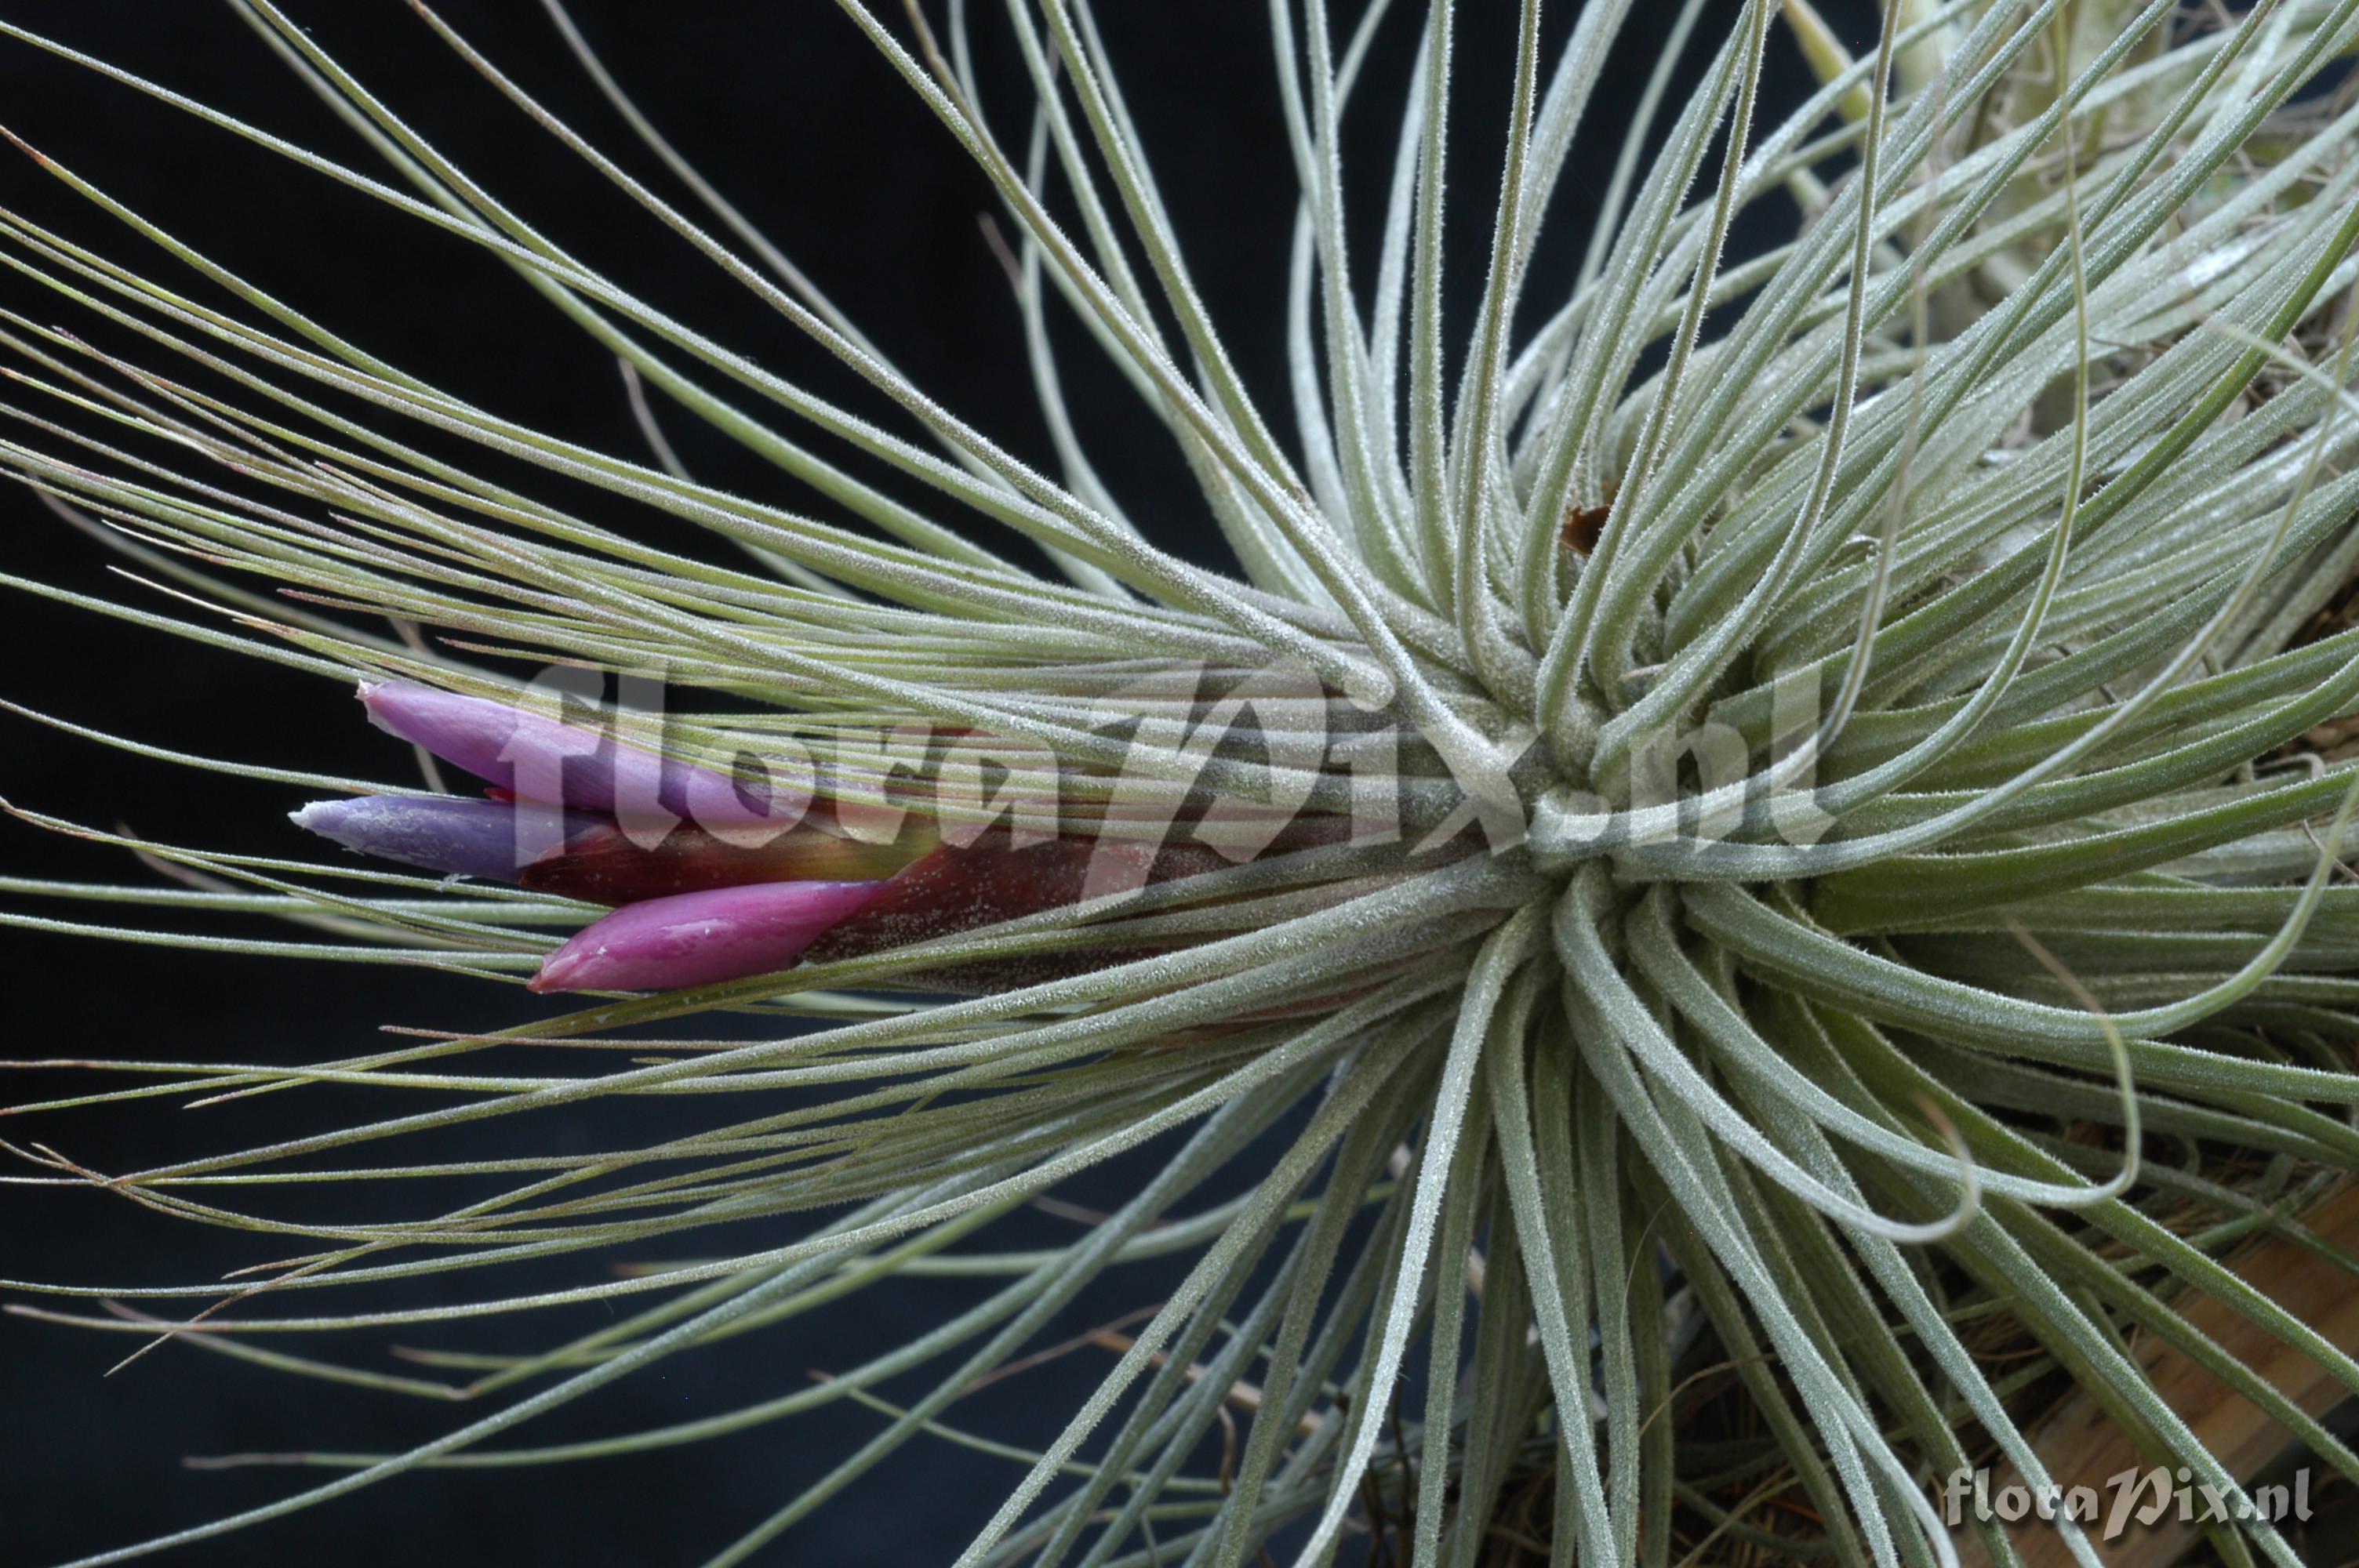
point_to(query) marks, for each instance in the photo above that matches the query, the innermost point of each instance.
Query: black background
(802, 123)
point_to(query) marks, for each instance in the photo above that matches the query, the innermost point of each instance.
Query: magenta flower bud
(489, 839)
(701, 938)
(544, 759)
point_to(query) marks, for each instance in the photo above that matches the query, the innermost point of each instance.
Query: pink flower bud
(544, 759)
(701, 938)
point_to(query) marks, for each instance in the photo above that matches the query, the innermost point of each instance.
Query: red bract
(609, 864)
(954, 889)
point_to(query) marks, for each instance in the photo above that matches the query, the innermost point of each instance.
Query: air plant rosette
(1721, 822)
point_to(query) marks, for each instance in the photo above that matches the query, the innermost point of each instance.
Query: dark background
(796, 117)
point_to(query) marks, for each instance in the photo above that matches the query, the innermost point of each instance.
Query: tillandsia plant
(1720, 819)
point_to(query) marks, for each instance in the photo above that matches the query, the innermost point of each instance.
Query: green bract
(1796, 736)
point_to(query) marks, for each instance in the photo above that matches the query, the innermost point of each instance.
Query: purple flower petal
(493, 840)
(700, 938)
(542, 759)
